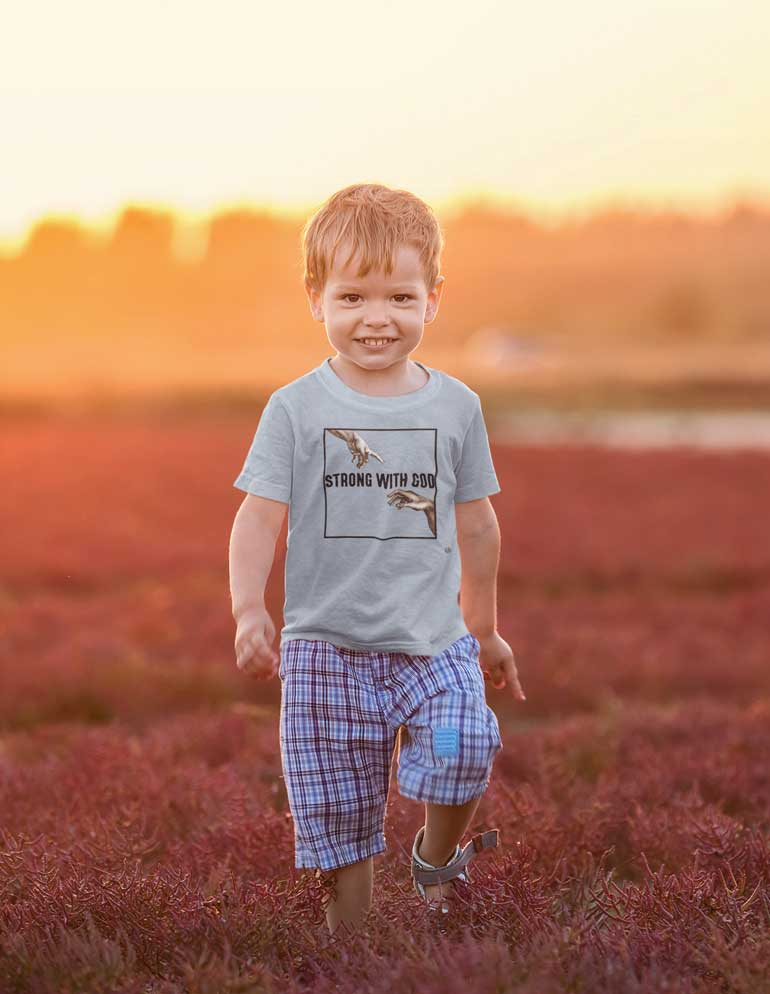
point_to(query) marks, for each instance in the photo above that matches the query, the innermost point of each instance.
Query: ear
(434, 298)
(314, 298)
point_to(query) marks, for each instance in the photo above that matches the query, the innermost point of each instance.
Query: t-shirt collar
(341, 390)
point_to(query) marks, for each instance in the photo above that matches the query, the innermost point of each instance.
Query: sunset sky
(549, 106)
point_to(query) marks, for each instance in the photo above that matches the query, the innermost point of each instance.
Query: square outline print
(435, 489)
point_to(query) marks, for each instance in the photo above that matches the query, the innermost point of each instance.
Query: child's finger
(506, 675)
(518, 693)
(254, 656)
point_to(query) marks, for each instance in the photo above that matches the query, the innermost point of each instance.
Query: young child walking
(385, 468)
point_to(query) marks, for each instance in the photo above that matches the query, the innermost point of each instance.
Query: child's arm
(478, 536)
(252, 550)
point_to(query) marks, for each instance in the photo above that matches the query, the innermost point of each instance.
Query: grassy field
(135, 378)
(146, 841)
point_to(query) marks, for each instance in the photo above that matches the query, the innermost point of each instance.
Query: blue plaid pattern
(341, 710)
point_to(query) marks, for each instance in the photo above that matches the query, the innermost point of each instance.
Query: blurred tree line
(615, 276)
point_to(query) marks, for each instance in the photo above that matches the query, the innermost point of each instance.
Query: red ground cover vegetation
(145, 839)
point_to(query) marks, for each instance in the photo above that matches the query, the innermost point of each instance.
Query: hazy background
(601, 174)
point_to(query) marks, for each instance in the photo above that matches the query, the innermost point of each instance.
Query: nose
(376, 320)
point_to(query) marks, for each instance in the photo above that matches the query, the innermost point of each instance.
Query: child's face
(376, 306)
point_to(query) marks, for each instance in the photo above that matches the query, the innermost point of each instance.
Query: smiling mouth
(375, 343)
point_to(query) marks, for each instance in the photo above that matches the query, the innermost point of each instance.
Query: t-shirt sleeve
(267, 471)
(475, 473)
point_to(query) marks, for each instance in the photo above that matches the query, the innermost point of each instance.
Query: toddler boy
(385, 468)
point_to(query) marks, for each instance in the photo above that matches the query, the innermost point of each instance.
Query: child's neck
(388, 382)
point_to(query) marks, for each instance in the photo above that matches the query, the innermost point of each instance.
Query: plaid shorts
(341, 710)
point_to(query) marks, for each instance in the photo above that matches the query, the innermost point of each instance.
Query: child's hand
(497, 662)
(253, 644)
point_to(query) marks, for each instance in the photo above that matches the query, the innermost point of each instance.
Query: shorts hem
(337, 856)
(413, 795)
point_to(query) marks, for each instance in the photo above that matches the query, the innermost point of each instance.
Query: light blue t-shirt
(372, 560)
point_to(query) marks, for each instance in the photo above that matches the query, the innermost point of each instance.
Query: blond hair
(375, 220)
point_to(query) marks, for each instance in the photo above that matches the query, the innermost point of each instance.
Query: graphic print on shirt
(395, 499)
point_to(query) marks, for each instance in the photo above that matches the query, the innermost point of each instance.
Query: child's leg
(353, 886)
(445, 825)
(453, 738)
(336, 753)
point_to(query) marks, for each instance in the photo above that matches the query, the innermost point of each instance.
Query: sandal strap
(454, 868)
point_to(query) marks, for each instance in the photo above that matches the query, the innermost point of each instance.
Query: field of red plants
(145, 839)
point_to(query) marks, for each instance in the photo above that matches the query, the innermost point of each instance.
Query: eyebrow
(355, 286)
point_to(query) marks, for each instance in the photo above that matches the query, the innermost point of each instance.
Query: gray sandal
(424, 873)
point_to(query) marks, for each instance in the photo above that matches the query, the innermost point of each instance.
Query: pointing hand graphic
(416, 502)
(408, 498)
(359, 450)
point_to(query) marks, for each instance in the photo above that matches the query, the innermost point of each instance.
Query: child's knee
(352, 883)
(360, 868)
